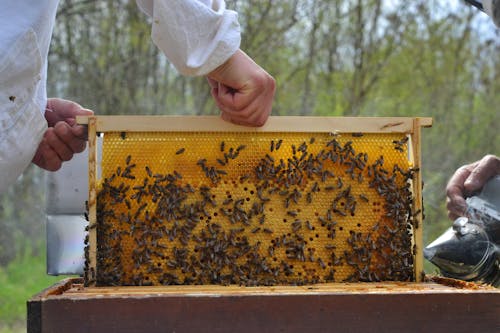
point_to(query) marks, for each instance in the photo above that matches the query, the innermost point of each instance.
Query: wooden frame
(407, 125)
(418, 238)
(274, 124)
(92, 202)
(355, 307)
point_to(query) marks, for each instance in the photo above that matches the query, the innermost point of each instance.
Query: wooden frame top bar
(137, 123)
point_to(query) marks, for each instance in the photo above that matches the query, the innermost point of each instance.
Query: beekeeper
(199, 37)
(470, 178)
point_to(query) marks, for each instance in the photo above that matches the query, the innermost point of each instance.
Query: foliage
(329, 58)
(19, 281)
(22, 215)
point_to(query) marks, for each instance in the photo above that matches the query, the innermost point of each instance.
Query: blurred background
(436, 59)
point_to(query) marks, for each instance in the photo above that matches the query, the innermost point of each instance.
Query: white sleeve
(492, 8)
(197, 36)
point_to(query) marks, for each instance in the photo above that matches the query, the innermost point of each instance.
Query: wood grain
(274, 124)
(92, 201)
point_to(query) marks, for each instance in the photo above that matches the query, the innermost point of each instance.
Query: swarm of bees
(277, 209)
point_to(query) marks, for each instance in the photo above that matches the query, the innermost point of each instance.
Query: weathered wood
(360, 307)
(274, 124)
(92, 201)
(34, 320)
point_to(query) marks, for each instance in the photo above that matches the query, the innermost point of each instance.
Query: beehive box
(341, 307)
(195, 200)
(191, 146)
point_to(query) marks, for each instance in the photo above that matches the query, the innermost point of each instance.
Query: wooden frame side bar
(92, 203)
(418, 204)
(274, 124)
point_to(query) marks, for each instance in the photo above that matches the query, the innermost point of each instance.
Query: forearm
(196, 36)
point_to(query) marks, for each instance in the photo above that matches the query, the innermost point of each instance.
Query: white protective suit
(492, 8)
(196, 35)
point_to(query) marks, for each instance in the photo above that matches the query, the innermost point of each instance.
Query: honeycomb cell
(254, 208)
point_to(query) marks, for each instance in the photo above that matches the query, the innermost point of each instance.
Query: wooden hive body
(343, 307)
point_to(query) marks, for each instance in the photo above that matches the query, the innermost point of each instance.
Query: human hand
(64, 137)
(242, 90)
(467, 180)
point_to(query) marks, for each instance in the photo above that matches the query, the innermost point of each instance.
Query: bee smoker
(470, 249)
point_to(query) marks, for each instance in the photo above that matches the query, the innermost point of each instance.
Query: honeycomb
(253, 208)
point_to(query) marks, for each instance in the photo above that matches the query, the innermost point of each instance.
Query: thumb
(488, 167)
(71, 119)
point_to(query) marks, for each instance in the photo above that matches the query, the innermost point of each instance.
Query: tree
(330, 58)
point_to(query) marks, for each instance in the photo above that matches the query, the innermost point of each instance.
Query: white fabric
(25, 34)
(16, 18)
(197, 36)
(21, 123)
(492, 8)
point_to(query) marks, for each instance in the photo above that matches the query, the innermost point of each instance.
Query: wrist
(235, 70)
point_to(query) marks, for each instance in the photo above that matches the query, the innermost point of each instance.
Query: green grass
(19, 281)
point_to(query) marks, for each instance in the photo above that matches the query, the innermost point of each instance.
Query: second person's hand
(64, 137)
(467, 180)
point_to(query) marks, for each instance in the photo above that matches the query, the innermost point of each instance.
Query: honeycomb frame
(309, 237)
